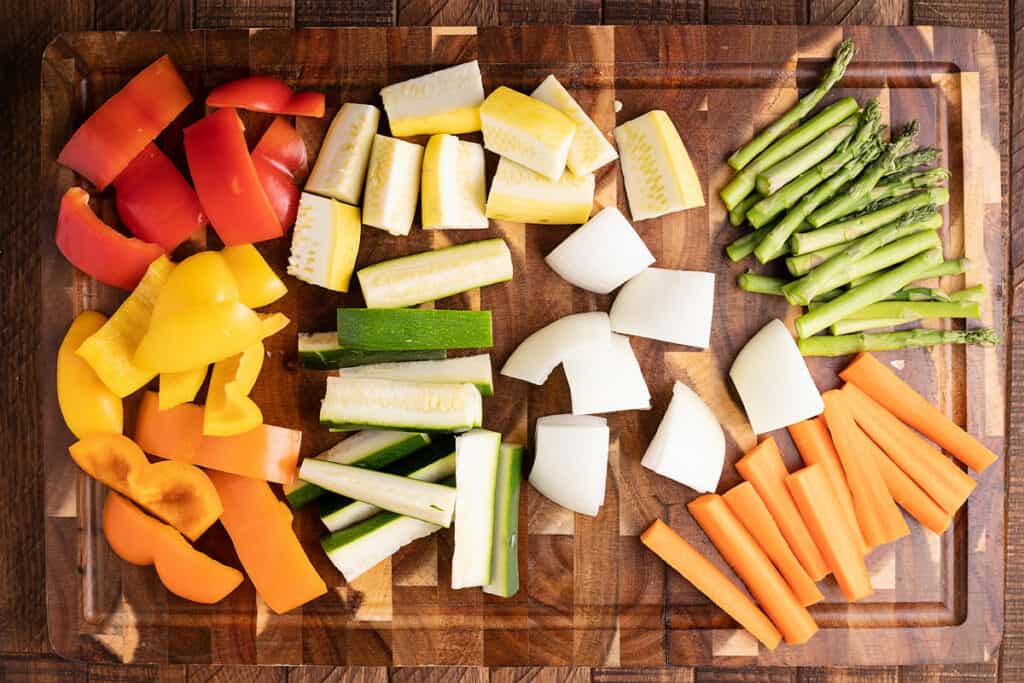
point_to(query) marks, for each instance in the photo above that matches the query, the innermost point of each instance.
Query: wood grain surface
(30, 27)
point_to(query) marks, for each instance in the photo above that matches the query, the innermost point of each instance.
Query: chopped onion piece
(571, 461)
(606, 378)
(668, 305)
(689, 446)
(537, 355)
(601, 254)
(773, 382)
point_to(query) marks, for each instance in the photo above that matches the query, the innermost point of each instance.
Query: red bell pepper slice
(155, 201)
(226, 181)
(280, 160)
(97, 249)
(123, 125)
(269, 95)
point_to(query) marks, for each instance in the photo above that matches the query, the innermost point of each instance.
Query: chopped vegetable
(774, 178)
(475, 370)
(258, 285)
(280, 162)
(360, 403)
(527, 131)
(321, 351)
(659, 175)
(139, 539)
(505, 551)
(605, 378)
(520, 195)
(892, 393)
(770, 366)
(229, 410)
(476, 476)
(689, 446)
(738, 213)
(178, 493)
(601, 254)
(847, 344)
(436, 274)
(710, 581)
(268, 95)
(571, 461)
(180, 387)
(200, 279)
(325, 243)
(121, 128)
(392, 184)
(908, 311)
(908, 494)
(86, 404)
(590, 149)
(537, 355)
(406, 329)
(669, 305)
(260, 528)
(445, 101)
(340, 167)
(453, 189)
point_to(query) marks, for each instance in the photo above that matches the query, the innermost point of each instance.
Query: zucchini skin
(404, 329)
(337, 358)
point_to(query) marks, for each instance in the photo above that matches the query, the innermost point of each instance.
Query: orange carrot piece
(754, 568)
(943, 481)
(709, 580)
(752, 513)
(827, 523)
(909, 495)
(763, 467)
(883, 385)
(879, 518)
(260, 527)
(813, 441)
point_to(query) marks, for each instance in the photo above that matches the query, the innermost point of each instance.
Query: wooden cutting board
(591, 594)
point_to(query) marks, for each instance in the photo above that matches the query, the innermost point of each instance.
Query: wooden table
(28, 26)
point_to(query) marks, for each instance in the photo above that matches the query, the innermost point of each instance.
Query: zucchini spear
(891, 341)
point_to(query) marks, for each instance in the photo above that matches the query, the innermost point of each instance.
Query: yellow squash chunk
(520, 195)
(590, 149)
(660, 178)
(445, 101)
(341, 165)
(527, 131)
(325, 242)
(258, 284)
(392, 185)
(180, 387)
(110, 352)
(87, 405)
(453, 192)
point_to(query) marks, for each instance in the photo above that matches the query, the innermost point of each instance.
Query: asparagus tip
(983, 336)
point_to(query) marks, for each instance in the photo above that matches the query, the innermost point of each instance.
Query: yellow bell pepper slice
(202, 278)
(199, 335)
(272, 323)
(86, 403)
(258, 285)
(229, 410)
(110, 351)
(180, 387)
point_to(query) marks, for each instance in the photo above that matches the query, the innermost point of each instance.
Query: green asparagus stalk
(766, 284)
(738, 213)
(896, 186)
(852, 228)
(919, 157)
(868, 180)
(773, 179)
(805, 263)
(953, 267)
(815, 321)
(976, 293)
(744, 246)
(745, 154)
(892, 341)
(919, 294)
(742, 184)
(853, 326)
(908, 311)
(867, 134)
(774, 243)
(833, 272)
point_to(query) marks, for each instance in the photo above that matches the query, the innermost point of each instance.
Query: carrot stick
(750, 510)
(882, 384)
(763, 467)
(936, 474)
(709, 580)
(909, 495)
(879, 518)
(754, 568)
(812, 439)
(813, 495)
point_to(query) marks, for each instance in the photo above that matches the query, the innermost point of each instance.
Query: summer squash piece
(443, 101)
(477, 454)
(406, 329)
(527, 131)
(505, 547)
(321, 351)
(86, 404)
(340, 166)
(268, 95)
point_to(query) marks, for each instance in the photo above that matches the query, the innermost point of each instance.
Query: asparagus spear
(919, 157)
(866, 182)
(953, 267)
(742, 247)
(867, 133)
(833, 272)
(766, 284)
(742, 184)
(745, 154)
(852, 228)
(738, 213)
(898, 185)
(908, 311)
(805, 263)
(815, 321)
(975, 293)
(853, 326)
(919, 294)
(891, 341)
(774, 243)
(773, 179)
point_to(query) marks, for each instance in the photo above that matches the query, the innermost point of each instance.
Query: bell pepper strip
(268, 95)
(155, 201)
(180, 387)
(87, 405)
(97, 249)
(272, 323)
(139, 539)
(229, 410)
(120, 129)
(280, 161)
(201, 279)
(226, 181)
(198, 336)
(266, 452)
(258, 284)
(178, 493)
(110, 351)
(260, 527)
